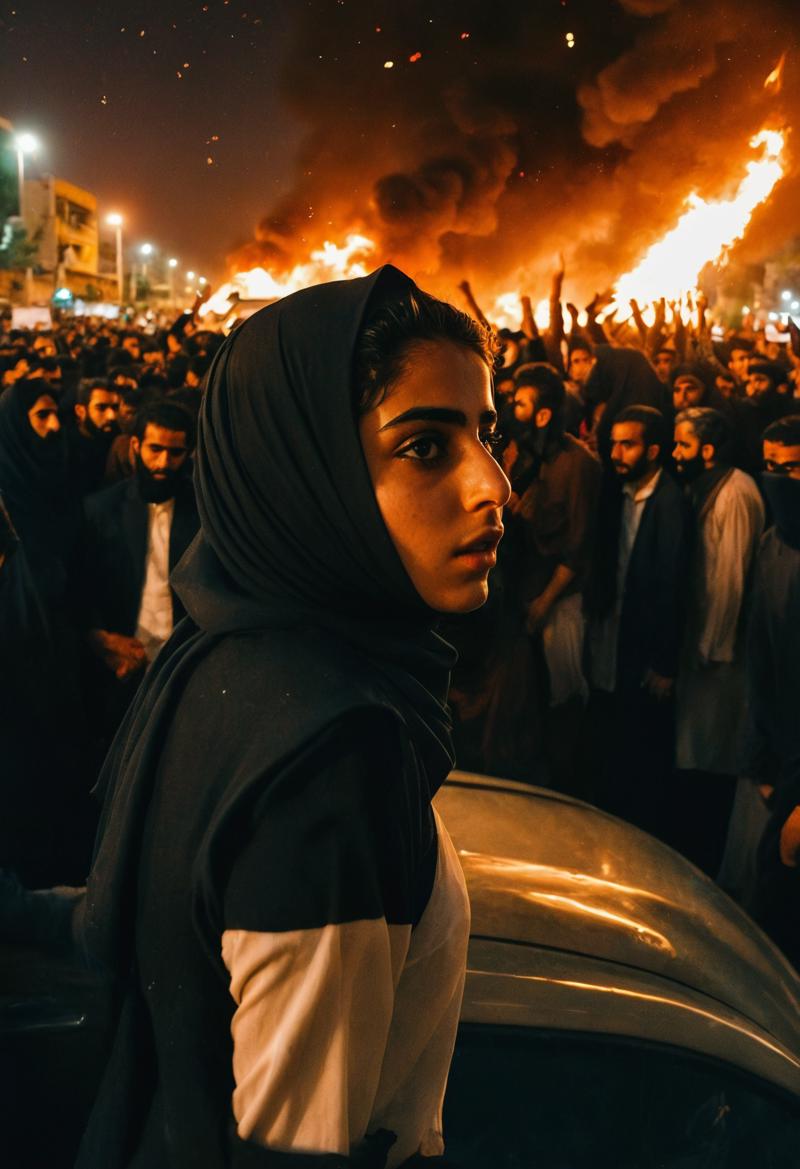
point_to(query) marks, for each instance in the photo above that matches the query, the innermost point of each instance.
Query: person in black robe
(47, 817)
(620, 378)
(283, 914)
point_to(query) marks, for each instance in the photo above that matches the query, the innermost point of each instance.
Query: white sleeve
(313, 1012)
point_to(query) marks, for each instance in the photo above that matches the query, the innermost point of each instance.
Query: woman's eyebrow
(438, 414)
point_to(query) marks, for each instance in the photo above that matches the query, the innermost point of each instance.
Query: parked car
(619, 1009)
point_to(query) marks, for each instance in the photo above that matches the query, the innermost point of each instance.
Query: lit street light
(786, 295)
(25, 144)
(145, 250)
(115, 220)
(172, 264)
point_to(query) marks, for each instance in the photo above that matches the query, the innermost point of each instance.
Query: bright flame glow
(507, 312)
(329, 262)
(775, 79)
(705, 230)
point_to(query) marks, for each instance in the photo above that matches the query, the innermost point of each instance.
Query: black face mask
(154, 490)
(690, 469)
(783, 496)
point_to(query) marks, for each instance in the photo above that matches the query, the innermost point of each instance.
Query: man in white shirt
(729, 519)
(135, 533)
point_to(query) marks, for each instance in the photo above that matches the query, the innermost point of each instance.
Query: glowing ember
(705, 230)
(775, 79)
(329, 262)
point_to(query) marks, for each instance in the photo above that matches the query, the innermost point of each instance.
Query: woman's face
(440, 491)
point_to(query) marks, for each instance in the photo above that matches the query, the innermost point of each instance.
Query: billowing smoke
(472, 140)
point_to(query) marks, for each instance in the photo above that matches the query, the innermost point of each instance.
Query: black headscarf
(33, 470)
(35, 484)
(291, 538)
(622, 377)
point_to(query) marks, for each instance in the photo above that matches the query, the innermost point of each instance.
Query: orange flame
(775, 78)
(330, 262)
(705, 231)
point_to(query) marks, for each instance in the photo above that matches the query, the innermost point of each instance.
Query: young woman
(284, 914)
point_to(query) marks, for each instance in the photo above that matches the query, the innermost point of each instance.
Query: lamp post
(25, 144)
(172, 264)
(115, 220)
(145, 251)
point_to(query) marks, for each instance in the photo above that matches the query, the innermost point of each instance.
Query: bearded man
(96, 425)
(728, 522)
(634, 601)
(135, 534)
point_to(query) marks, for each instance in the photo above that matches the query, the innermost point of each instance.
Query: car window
(519, 1099)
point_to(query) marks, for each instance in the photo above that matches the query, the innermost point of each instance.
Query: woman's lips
(481, 553)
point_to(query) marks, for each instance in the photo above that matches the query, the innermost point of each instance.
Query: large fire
(705, 231)
(670, 269)
(330, 262)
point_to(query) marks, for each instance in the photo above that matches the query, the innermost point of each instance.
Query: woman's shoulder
(272, 669)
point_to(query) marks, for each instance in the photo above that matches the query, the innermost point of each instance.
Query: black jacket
(115, 552)
(651, 619)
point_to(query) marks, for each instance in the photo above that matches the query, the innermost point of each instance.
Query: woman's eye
(491, 439)
(424, 450)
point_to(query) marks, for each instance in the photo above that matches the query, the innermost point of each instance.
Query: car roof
(565, 894)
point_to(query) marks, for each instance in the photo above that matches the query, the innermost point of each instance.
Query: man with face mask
(634, 602)
(729, 519)
(136, 532)
(773, 676)
(766, 399)
(96, 425)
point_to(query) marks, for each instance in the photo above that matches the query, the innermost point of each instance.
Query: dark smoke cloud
(491, 152)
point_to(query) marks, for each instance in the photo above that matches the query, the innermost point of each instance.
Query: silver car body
(582, 923)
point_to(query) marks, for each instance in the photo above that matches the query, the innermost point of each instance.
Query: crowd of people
(640, 644)
(97, 425)
(639, 649)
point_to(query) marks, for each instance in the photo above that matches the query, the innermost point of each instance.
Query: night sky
(222, 127)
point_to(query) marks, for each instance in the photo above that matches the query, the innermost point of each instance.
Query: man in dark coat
(93, 430)
(135, 534)
(635, 605)
(773, 664)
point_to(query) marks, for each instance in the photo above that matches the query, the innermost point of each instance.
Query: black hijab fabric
(33, 470)
(291, 538)
(41, 501)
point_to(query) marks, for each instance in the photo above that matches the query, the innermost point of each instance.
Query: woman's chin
(464, 599)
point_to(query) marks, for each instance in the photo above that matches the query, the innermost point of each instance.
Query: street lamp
(146, 250)
(172, 264)
(25, 144)
(115, 220)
